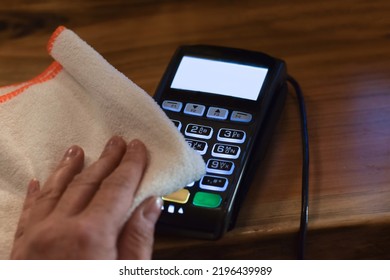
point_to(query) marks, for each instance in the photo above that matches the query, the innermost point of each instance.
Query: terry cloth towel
(81, 99)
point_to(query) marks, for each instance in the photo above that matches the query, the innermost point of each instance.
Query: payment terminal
(226, 103)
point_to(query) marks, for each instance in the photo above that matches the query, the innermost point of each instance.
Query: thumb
(137, 237)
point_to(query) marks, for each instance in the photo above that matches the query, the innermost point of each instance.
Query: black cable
(305, 168)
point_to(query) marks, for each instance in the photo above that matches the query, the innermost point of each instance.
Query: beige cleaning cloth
(81, 99)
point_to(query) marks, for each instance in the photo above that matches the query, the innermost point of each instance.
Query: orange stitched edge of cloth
(53, 37)
(46, 75)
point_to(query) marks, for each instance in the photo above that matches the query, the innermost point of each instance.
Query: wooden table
(339, 51)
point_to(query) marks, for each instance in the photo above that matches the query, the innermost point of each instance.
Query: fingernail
(33, 187)
(153, 211)
(114, 141)
(71, 153)
(134, 144)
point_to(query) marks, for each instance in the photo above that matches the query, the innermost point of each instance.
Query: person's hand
(82, 214)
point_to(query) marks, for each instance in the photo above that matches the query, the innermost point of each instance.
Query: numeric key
(199, 131)
(231, 135)
(199, 146)
(218, 166)
(226, 151)
(213, 183)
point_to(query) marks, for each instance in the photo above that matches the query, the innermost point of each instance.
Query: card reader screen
(218, 77)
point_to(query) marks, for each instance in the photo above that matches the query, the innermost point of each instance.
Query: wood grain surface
(339, 51)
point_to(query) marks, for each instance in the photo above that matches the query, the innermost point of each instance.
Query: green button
(209, 200)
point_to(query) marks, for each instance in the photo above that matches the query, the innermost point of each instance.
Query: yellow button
(181, 196)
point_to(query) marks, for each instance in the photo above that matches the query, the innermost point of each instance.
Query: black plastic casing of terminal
(208, 223)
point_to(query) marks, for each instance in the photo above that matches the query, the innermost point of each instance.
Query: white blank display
(218, 77)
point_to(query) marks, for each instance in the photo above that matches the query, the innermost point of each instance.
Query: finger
(70, 165)
(114, 198)
(137, 237)
(31, 196)
(84, 186)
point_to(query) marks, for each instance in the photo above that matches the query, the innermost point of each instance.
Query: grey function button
(170, 105)
(217, 113)
(194, 109)
(238, 116)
